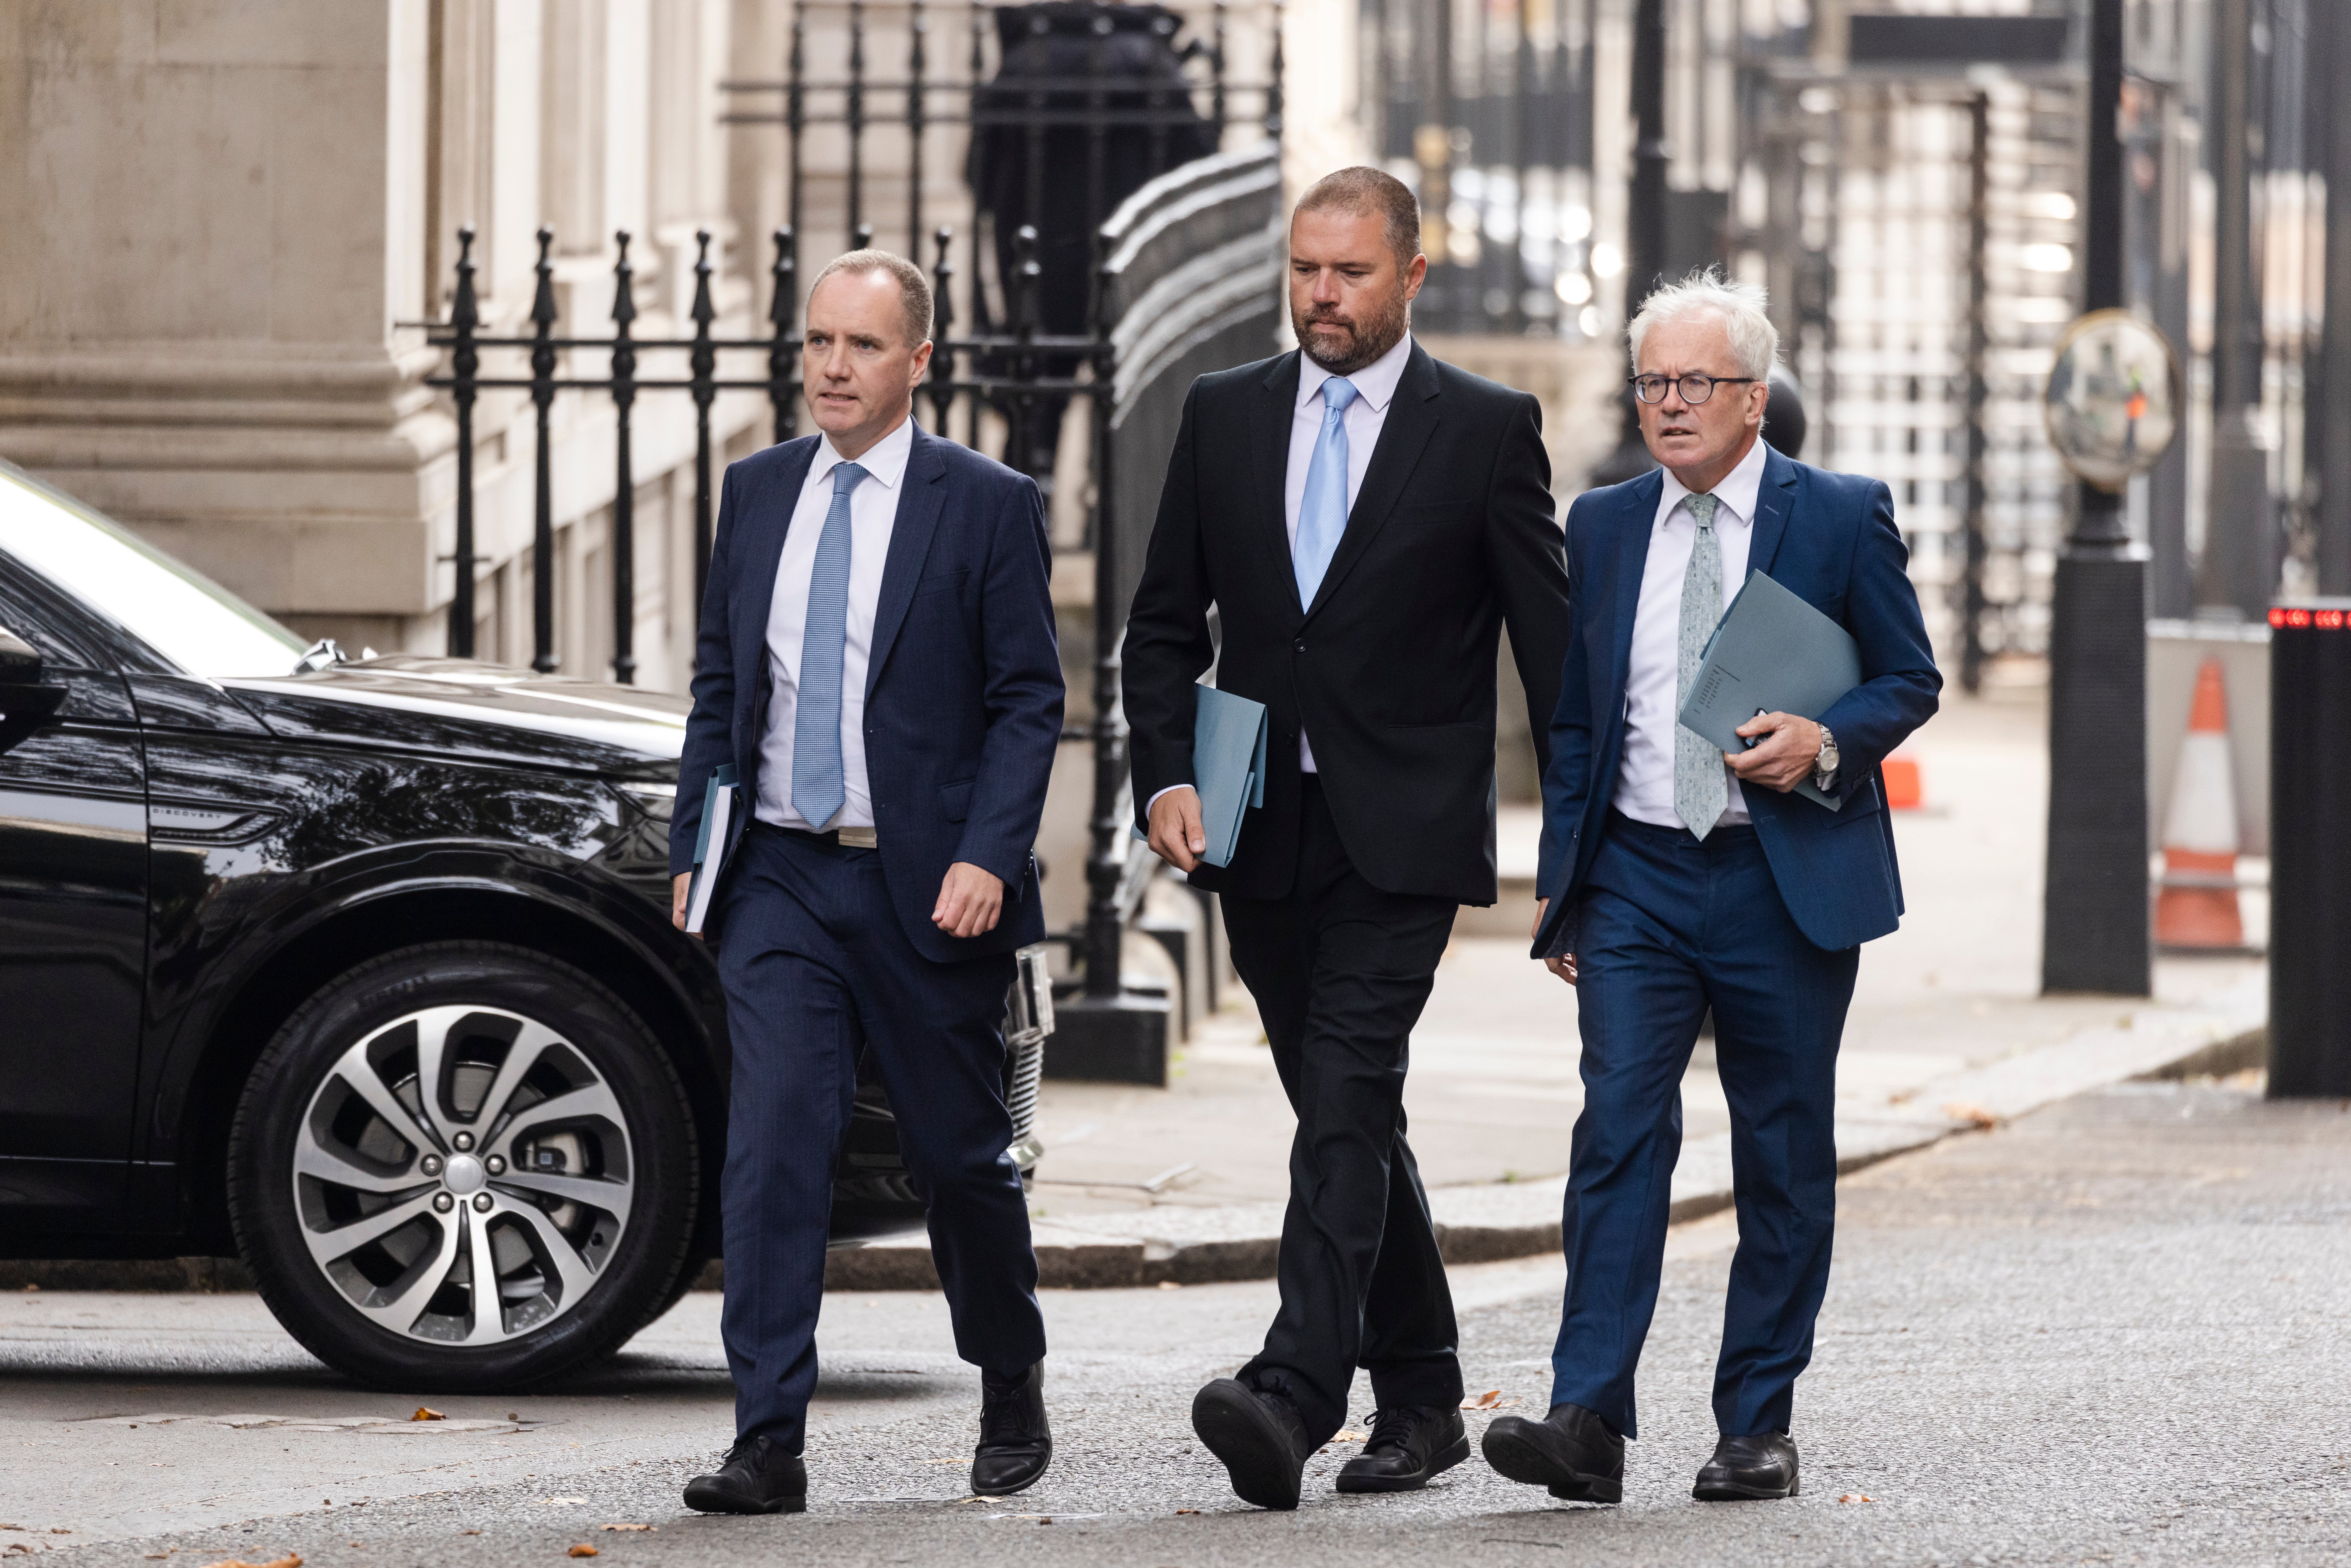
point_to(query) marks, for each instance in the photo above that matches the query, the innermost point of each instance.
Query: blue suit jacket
(963, 689)
(1830, 539)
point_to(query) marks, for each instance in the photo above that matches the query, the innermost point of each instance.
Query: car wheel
(463, 1165)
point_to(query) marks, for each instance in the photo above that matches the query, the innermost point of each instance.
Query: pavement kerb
(1174, 1244)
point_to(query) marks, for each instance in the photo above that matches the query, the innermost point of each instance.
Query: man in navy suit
(877, 661)
(1682, 878)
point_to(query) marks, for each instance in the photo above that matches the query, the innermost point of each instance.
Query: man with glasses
(1680, 878)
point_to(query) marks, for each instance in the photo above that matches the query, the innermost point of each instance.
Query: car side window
(66, 636)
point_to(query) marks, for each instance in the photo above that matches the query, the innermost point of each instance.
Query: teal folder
(720, 826)
(1228, 758)
(1770, 652)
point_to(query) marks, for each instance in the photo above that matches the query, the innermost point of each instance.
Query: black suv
(359, 970)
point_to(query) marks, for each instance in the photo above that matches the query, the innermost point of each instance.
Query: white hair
(1740, 307)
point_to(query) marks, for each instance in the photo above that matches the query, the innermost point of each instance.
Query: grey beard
(1378, 336)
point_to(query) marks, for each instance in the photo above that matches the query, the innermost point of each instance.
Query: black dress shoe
(1407, 1445)
(1258, 1436)
(1014, 1443)
(1571, 1450)
(756, 1477)
(1743, 1469)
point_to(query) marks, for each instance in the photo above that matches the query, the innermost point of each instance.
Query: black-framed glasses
(1695, 388)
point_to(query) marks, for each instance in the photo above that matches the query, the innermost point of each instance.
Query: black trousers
(1341, 971)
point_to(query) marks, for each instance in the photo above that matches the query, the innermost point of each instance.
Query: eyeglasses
(1694, 389)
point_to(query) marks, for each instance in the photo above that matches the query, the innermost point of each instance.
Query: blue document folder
(1229, 755)
(1770, 652)
(721, 826)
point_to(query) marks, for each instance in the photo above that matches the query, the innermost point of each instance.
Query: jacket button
(1299, 646)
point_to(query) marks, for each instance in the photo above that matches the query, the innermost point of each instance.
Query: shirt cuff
(1154, 798)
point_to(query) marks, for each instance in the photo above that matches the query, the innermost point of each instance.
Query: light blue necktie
(818, 782)
(1322, 511)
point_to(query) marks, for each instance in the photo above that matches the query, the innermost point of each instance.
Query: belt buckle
(859, 839)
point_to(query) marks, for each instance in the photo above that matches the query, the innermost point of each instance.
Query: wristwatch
(1825, 766)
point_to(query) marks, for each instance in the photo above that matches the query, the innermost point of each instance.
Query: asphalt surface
(2111, 1332)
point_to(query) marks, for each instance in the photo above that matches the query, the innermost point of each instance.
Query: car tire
(557, 1155)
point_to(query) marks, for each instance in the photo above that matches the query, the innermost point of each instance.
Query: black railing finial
(624, 299)
(943, 365)
(1026, 271)
(861, 237)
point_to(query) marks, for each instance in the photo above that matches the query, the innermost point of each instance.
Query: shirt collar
(1375, 383)
(1738, 491)
(884, 461)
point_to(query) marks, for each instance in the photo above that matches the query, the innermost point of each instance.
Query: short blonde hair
(1741, 307)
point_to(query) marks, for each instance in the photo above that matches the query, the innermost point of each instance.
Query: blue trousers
(1670, 926)
(816, 967)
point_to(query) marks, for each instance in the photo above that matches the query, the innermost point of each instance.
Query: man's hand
(1781, 762)
(678, 886)
(970, 900)
(1177, 836)
(1563, 965)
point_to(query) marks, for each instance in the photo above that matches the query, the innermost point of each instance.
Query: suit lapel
(923, 495)
(1269, 471)
(1411, 421)
(771, 516)
(1636, 523)
(1773, 501)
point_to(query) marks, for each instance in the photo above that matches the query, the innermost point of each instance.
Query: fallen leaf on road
(632, 1527)
(1490, 1400)
(426, 1413)
(1185, 1511)
(1973, 1114)
(1856, 1497)
(583, 1550)
(1350, 1437)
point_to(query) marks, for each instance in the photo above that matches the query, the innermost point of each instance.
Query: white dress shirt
(872, 514)
(1375, 386)
(1644, 779)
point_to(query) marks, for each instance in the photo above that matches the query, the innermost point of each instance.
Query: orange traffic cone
(1904, 788)
(2198, 905)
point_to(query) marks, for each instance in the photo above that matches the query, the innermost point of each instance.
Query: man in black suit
(877, 662)
(1364, 521)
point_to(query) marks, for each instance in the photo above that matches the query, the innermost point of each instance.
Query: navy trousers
(1669, 927)
(816, 967)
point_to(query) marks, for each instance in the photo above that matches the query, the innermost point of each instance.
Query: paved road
(2111, 1332)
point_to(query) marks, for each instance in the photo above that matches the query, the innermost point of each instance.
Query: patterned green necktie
(1699, 790)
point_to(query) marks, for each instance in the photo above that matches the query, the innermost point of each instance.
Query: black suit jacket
(963, 688)
(1391, 669)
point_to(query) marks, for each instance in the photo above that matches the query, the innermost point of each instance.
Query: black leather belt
(839, 838)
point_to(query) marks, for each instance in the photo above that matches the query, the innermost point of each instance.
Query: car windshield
(186, 617)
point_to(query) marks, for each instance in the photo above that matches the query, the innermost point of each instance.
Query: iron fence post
(942, 358)
(624, 484)
(1105, 863)
(465, 362)
(783, 308)
(917, 25)
(855, 115)
(702, 367)
(542, 397)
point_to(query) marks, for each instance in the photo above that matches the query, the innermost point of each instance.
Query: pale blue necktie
(1701, 789)
(1322, 511)
(819, 783)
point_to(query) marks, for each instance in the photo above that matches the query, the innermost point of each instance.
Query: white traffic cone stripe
(2203, 816)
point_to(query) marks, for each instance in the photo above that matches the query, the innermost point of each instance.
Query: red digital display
(2323, 620)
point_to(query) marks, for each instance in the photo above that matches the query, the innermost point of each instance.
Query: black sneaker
(1571, 1450)
(1407, 1445)
(1014, 1443)
(1258, 1436)
(756, 1477)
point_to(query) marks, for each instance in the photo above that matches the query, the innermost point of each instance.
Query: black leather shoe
(1744, 1469)
(1014, 1443)
(1571, 1450)
(1407, 1445)
(1257, 1435)
(756, 1477)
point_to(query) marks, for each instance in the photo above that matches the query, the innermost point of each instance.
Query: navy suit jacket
(963, 689)
(1831, 540)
